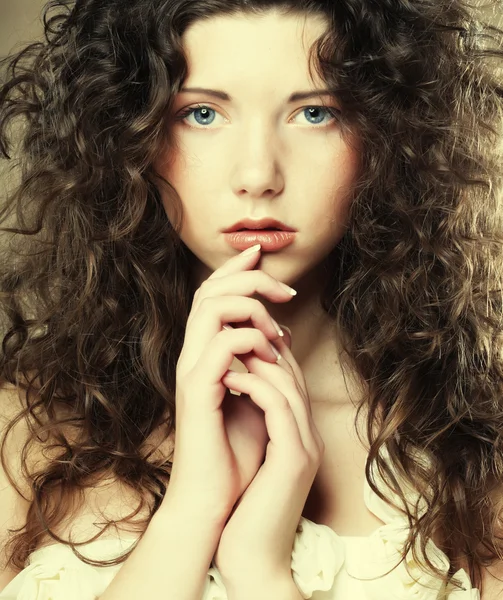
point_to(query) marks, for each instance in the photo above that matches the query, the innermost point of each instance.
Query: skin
(259, 156)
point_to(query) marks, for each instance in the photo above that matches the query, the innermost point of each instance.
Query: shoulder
(14, 505)
(15, 489)
(106, 500)
(14, 433)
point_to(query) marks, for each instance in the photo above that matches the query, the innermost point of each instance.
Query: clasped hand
(258, 538)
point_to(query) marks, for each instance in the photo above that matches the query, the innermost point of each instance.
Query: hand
(214, 460)
(257, 541)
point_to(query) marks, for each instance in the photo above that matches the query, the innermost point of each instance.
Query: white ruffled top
(325, 565)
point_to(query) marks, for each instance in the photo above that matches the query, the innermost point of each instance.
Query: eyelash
(334, 112)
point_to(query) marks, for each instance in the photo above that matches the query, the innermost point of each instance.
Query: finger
(208, 321)
(241, 284)
(282, 426)
(289, 362)
(243, 261)
(277, 376)
(287, 335)
(218, 355)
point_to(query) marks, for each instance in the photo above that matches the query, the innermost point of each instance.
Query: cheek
(334, 194)
(193, 189)
(328, 158)
(330, 177)
(170, 169)
(192, 174)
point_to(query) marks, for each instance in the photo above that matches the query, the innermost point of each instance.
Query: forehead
(239, 49)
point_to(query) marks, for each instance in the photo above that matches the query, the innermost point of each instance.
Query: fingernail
(251, 250)
(288, 288)
(287, 328)
(230, 374)
(278, 328)
(276, 353)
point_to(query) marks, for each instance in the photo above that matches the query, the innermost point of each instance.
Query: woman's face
(256, 154)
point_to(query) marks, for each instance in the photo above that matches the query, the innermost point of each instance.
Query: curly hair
(95, 286)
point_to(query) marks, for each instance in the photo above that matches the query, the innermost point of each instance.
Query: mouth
(270, 240)
(265, 229)
(266, 224)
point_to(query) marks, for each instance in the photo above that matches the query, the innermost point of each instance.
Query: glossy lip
(269, 240)
(265, 223)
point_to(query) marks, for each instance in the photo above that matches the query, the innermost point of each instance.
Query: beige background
(19, 22)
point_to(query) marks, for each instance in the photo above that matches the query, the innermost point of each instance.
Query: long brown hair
(95, 281)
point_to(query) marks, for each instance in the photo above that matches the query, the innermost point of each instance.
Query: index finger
(244, 261)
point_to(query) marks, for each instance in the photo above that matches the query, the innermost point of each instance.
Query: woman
(178, 423)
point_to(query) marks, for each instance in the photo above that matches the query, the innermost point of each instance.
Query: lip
(266, 223)
(268, 239)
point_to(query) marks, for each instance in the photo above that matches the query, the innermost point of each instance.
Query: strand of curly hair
(95, 285)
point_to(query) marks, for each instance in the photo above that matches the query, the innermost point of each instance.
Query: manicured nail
(230, 374)
(251, 250)
(276, 353)
(278, 328)
(287, 328)
(288, 288)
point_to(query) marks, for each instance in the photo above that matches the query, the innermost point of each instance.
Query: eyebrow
(295, 97)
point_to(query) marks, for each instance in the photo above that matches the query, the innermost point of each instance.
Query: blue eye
(204, 115)
(205, 112)
(316, 111)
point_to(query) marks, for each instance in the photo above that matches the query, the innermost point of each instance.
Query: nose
(256, 162)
